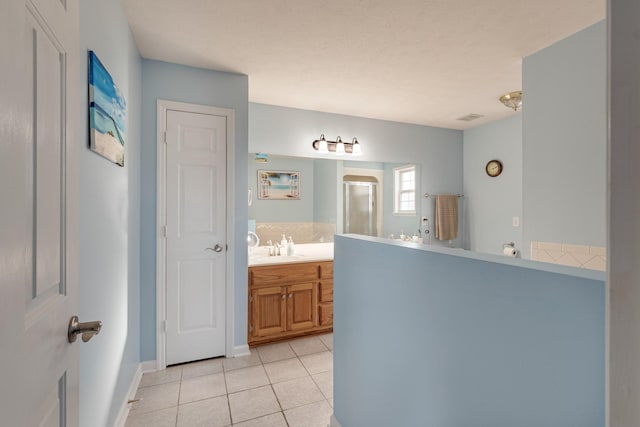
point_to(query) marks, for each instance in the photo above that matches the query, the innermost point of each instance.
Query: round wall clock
(493, 168)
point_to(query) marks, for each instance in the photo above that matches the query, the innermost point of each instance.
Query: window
(404, 193)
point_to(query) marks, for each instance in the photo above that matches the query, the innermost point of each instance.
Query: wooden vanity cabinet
(288, 300)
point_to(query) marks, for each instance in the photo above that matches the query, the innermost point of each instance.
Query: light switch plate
(516, 221)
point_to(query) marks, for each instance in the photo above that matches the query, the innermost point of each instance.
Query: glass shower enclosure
(360, 205)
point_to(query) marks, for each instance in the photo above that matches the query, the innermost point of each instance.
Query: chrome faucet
(274, 249)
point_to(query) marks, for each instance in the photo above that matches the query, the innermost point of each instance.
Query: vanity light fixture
(512, 100)
(339, 147)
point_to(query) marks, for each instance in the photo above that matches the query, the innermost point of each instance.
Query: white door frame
(161, 220)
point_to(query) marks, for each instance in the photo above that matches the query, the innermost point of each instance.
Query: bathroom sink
(283, 259)
(305, 252)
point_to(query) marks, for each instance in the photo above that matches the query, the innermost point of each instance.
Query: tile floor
(288, 384)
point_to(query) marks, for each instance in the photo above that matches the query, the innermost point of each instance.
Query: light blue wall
(162, 80)
(564, 141)
(326, 191)
(450, 338)
(109, 225)
(283, 210)
(491, 203)
(438, 151)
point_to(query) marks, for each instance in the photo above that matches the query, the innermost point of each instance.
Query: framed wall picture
(107, 113)
(278, 185)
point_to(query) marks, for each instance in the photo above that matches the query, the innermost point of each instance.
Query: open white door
(196, 238)
(38, 212)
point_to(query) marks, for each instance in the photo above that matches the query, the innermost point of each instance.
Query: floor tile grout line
(226, 388)
(178, 402)
(310, 374)
(203, 399)
(178, 406)
(318, 385)
(277, 398)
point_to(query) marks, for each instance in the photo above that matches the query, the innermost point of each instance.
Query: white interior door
(38, 211)
(195, 235)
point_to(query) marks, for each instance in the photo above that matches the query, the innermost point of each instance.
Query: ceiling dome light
(512, 100)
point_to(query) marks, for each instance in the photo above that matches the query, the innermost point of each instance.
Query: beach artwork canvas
(107, 113)
(278, 185)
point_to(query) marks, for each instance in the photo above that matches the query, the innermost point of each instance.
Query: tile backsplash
(591, 257)
(302, 232)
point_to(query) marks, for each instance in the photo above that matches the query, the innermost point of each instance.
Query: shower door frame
(372, 189)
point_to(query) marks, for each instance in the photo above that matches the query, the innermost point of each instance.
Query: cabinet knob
(283, 296)
(290, 295)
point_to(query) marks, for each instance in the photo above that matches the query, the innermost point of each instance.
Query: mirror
(330, 196)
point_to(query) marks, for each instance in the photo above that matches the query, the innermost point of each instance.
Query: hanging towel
(446, 217)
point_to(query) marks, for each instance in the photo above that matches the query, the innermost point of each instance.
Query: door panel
(197, 188)
(38, 231)
(52, 412)
(47, 141)
(196, 298)
(196, 223)
(202, 139)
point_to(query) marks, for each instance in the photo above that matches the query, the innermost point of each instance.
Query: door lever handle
(216, 248)
(87, 329)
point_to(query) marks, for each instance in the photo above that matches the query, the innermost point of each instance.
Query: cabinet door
(268, 311)
(302, 299)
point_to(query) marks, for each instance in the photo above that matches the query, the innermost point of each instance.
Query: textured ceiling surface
(426, 62)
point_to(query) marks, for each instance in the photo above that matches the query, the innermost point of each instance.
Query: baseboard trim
(241, 350)
(149, 366)
(334, 421)
(133, 387)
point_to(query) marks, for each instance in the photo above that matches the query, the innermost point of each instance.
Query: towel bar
(431, 195)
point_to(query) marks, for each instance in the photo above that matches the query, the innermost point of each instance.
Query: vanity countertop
(305, 252)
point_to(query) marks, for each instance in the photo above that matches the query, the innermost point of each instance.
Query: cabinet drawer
(325, 314)
(326, 270)
(278, 274)
(326, 291)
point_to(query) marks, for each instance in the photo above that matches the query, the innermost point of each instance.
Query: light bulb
(339, 146)
(355, 147)
(322, 145)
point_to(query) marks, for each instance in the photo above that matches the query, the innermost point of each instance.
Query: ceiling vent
(470, 117)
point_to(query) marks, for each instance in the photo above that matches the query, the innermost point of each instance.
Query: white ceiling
(427, 62)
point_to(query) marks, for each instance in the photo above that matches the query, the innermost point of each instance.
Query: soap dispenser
(290, 247)
(283, 242)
